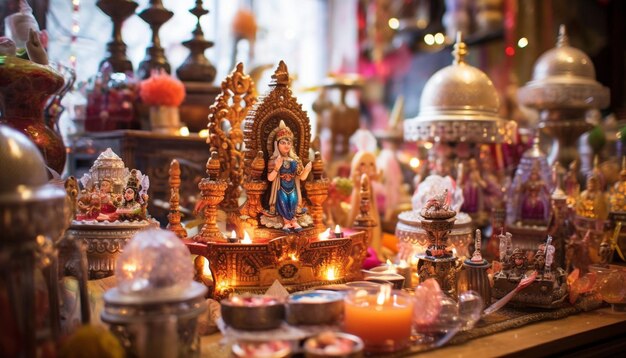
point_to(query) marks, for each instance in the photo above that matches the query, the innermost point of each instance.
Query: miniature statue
(108, 200)
(534, 194)
(135, 201)
(477, 257)
(549, 251)
(577, 253)
(571, 184)
(617, 195)
(88, 205)
(518, 262)
(285, 171)
(539, 260)
(474, 187)
(605, 252)
(591, 202)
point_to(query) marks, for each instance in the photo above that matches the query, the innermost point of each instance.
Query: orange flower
(162, 89)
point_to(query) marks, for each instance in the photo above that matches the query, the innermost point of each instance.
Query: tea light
(246, 238)
(382, 318)
(338, 232)
(404, 269)
(325, 235)
(314, 307)
(270, 349)
(393, 278)
(333, 344)
(233, 237)
(252, 312)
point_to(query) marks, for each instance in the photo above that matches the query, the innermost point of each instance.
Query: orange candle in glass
(381, 317)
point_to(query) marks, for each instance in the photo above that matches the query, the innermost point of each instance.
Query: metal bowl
(243, 312)
(271, 349)
(313, 348)
(314, 307)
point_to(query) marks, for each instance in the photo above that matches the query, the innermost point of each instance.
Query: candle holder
(118, 11)
(474, 276)
(438, 262)
(155, 15)
(382, 318)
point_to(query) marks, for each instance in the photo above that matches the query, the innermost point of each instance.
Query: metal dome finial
(460, 49)
(563, 39)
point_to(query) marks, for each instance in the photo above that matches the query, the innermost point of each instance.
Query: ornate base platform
(104, 241)
(296, 261)
(547, 291)
(444, 270)
(409, 230)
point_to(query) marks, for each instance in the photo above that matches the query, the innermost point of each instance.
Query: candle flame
(129, 267)
(233, 234)
(454, 251)
(337, 229)
(331, 273)
(206, 271)
(293, 257)
(246, 238)
(184, 131)
(203, 133)
(325, 235)
(403, 264)
(383, 294)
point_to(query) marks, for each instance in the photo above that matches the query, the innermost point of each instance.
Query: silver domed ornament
(563, 89)
(459, 103)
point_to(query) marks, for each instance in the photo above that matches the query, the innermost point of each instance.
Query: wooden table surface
(596, 333)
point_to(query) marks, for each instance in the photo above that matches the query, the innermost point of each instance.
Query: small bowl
(253, 312)
(262, 349)
(333, 344)
(396, 280)
(314, 307)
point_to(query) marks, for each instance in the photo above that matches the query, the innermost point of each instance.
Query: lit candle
(382, 318)
(338, 232)
(246, 238)
(405, 270)
(233, 237)
(325, 235)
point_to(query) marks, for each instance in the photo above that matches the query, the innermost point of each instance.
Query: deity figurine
(108, 200)
(474, 187)
(617, 195)
(534, 196)
(571, 184)
(88, 205)
(591, 202)
(539, 260)
(134, 201)
(285, 171)
(518, 262)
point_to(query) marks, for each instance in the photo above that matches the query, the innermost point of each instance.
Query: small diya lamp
(333, 344)
(233, 239)
(253, 312)
(338, 232)
(314, 307)
(262, 349)
(381, 317)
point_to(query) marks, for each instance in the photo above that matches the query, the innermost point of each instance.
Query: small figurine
(605, 252)
(534, 194)
(474, 188)
(577, 253)
(549, 251)
(617, 195)
(571, 184)
(591, 202)
(108, 200)
(285, 171)
(477, 257)
(518, 262)
(133, 205)
(539, 260)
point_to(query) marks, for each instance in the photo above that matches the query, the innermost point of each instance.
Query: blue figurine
(285, 171)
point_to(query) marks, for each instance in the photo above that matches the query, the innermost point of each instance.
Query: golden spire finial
(563, 39)
(460, 49)
(281, 75)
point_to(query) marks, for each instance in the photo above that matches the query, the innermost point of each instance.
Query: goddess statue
(591, 202)
(617, 195)
(534, 198)
(285, 171)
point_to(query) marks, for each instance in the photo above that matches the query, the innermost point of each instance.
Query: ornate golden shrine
(299, 260)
